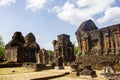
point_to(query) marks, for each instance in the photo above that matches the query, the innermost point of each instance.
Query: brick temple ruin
(98, 45)
(44, 58)
(21, 49)
(64, 47)
(25, 49)
(92, 40)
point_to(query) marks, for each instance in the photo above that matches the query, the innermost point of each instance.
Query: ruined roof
(17, 40)
(93, 31)
(29, 38)
(111, 28)
(106, 30)
(30, 41)
(64, 37)
(87, 26)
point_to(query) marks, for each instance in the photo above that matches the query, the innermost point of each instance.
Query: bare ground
(51, 74)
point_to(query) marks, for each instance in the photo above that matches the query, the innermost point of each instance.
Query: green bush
(2, 48)
(75, 49)
(50, 52)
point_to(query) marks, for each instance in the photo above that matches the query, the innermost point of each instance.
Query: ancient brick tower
(43, 56)
(21, 49)
(92, 40)
(14, 47)
(31, 48)
(64, 47)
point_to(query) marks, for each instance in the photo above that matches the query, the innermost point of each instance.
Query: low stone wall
(35, 66)
(10, 65)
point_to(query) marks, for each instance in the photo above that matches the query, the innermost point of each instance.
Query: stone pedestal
(59, 63)
(88, 72)
(59, 67)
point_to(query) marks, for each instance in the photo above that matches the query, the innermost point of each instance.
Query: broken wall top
(63, 37)
(17, 40)
(94, 32)
(30, 41)
(105, 31)
(88, 25)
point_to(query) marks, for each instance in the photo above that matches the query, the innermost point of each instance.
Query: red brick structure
(21, 49)
(92, 40)
(64, 47)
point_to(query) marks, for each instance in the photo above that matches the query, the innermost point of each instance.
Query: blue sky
(48, 18)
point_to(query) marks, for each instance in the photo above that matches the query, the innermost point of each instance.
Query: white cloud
(6, 2)
(81, 3)
(111, 15)
(94, 6)
(71, 14)
(81, 10)
(56, 9)
(34, 5)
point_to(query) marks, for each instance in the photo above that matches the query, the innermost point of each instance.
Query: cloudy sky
(48, 18)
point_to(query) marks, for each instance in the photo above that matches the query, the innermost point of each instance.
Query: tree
(50, 52)
(75, 49)
(2, 48)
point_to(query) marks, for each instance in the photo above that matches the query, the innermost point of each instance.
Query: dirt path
(50, 74)
(34, 75)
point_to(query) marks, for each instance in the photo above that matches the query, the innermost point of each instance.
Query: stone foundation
(35, 66)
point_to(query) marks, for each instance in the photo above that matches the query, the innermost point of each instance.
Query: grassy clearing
(15, 70)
